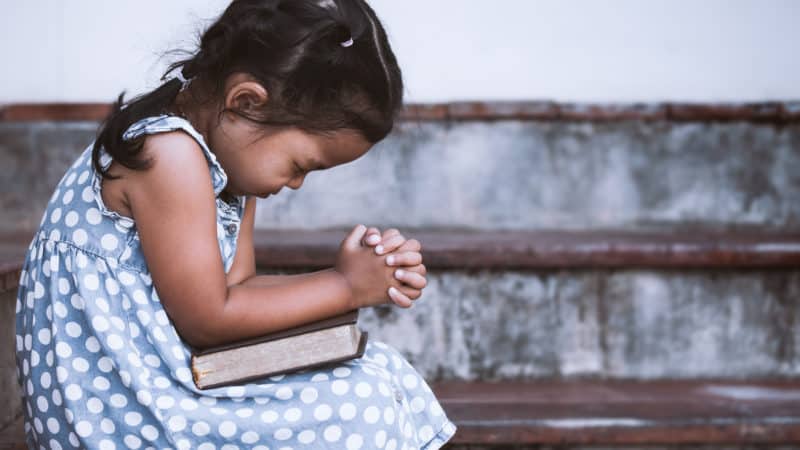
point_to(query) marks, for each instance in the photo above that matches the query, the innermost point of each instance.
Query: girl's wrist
(348, 293)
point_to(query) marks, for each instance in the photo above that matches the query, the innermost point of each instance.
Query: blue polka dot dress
(101, 366)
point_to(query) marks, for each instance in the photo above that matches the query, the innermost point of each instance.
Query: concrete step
(12, 437)
(505, 306)
(666, 248)
(458, 249)
(614, 413)
(619, 412)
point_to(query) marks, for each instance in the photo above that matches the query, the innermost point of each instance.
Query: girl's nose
(296, 182)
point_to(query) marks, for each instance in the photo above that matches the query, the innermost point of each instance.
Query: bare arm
(175, 212)
(253, 309)
(270, 279)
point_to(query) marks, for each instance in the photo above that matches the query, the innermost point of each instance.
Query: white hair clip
(184, 82)
(347, 43)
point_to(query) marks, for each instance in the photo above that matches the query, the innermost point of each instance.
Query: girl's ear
(246, 96)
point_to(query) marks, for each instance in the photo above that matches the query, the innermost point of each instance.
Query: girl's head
(272, 87)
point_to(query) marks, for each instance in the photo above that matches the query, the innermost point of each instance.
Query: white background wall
(563, 50)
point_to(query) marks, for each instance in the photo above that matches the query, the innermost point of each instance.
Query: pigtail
(122, 116)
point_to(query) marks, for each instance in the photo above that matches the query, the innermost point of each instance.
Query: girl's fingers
(389, 244)
(390, 232)
(399, 298)
(386, 234)
(419, 268)
(371, 237)
(410, 292)
(412, 279)
(411, 245)
(404, 259)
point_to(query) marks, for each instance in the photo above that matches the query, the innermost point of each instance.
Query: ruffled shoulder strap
(166, 122)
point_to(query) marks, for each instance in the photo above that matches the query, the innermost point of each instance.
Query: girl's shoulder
(165, 123)
(158, 123)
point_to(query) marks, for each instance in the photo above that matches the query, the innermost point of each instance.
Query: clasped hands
(405, 254)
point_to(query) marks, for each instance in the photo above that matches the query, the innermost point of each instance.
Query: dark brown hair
(293, 48)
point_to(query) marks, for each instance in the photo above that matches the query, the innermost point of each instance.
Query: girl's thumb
(353, 240)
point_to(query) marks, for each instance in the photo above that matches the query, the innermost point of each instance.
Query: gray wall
(482, 324)
(10, 393)
(493, 175)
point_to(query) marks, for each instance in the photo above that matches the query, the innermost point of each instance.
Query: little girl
(146, 249)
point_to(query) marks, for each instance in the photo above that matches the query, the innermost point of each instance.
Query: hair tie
(347, 43)
(184, 81)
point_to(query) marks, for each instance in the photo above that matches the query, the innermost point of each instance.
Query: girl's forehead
(346, 146)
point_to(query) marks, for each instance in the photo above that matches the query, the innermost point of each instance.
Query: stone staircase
(598, 275)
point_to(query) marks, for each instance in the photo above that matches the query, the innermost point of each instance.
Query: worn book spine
(287, 355)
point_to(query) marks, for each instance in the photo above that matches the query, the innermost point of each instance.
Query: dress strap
(166, 122)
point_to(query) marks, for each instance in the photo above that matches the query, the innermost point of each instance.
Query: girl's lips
(267, 194)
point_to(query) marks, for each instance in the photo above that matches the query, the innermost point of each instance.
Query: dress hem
(445, 433)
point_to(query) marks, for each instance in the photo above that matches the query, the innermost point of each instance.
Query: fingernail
(392, 291)
(398, 273)
(390, 259)
(379, 249)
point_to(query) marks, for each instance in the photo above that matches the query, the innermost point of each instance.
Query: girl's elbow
(202, 324)
(197, 339)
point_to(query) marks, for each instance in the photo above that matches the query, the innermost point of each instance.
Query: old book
(311, 345)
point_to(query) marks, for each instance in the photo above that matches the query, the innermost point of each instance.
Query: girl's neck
(183, 106)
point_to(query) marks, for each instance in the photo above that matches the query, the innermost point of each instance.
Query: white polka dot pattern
(102, 367)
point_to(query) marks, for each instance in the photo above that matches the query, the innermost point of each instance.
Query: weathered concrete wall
(638, 324)
(10, 394)
(490, 175)
(484, 325)
(34, 157)
(524, 175)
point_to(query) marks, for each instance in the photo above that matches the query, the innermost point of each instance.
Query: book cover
(314, 344)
